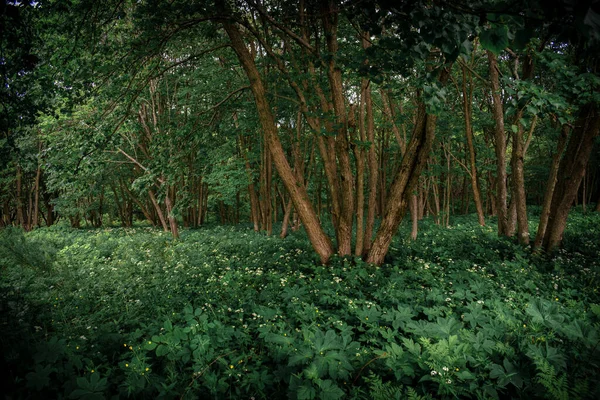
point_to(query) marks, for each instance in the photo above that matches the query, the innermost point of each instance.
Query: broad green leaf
(494, 39)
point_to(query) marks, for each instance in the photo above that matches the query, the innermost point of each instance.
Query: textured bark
(562, 142)
(571, 171)
(500, 147)
(372, 174)
(412, 162)
(266, 208)
(169, 200)
(468, 111)
(406, 179)
(359, 155)
(342, 147)
(517, 163)
(20, 213)
(36, 201)
(414, 215)
(518, 183)
(316, 235)
(158, 210)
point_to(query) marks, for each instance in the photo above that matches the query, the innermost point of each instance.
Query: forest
(312, 199)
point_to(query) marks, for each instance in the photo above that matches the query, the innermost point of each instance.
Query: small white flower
(433, 373)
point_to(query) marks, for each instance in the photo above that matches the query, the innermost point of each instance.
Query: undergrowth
(228, 313)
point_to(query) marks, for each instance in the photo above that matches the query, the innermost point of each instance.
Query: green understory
(228, 313)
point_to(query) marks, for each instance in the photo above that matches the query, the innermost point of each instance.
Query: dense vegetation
(224, 312)
(207, 198)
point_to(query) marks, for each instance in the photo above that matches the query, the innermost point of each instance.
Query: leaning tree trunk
(397, 199)
(406, 179)
(297, 191)
(562, 142)
(571, 171)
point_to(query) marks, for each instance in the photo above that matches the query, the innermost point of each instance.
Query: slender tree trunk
(317, 236)
(467, 105)
(414, 215)
(265, 191)
(518, 185)
(254, 203)
(158, 210)
(571, 170)
(406, 179)
(359, 155)
(500, 147)
(36, 204)
(169, 199)
(562, 142)
(372, 175)
(20, 213)
(448, 189)
(286, 220)
(342, 147)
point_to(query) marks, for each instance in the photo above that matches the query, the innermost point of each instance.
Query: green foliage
(225, 312)
(494, 39)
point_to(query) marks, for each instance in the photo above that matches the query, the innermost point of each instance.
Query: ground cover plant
(224, 312)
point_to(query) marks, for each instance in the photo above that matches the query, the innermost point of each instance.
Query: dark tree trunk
(545, 214)
(406, 179)
(317, 236)
(500, 147)
(571, 171)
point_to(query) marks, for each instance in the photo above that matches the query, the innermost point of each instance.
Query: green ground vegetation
(224, 312)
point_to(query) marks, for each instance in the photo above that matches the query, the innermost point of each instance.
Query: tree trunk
(359, 155)
(467, 105)
(414, 215)
(20, 213)
(406, 179)
(518, 184)
(372, 174)
(500, 147)
(562, 142)
(571, 170)
(342, 147)
(286, 220)
(316, 235)
(36, 204)
(254, 203)
(169, 198)
(158, 210)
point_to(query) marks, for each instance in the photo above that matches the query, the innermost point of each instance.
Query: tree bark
(571, 170)
(316, 235)
(406, 179)
(550, 184)
(468, 111)
(342, 147)
(20, 213)
(169, 199)
(518, 183)
(500, 147)
(36, 202)
(158, 210)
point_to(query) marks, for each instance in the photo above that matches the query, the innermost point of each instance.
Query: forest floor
(225, 312)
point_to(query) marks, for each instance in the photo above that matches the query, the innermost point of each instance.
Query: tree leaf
(494, 39)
